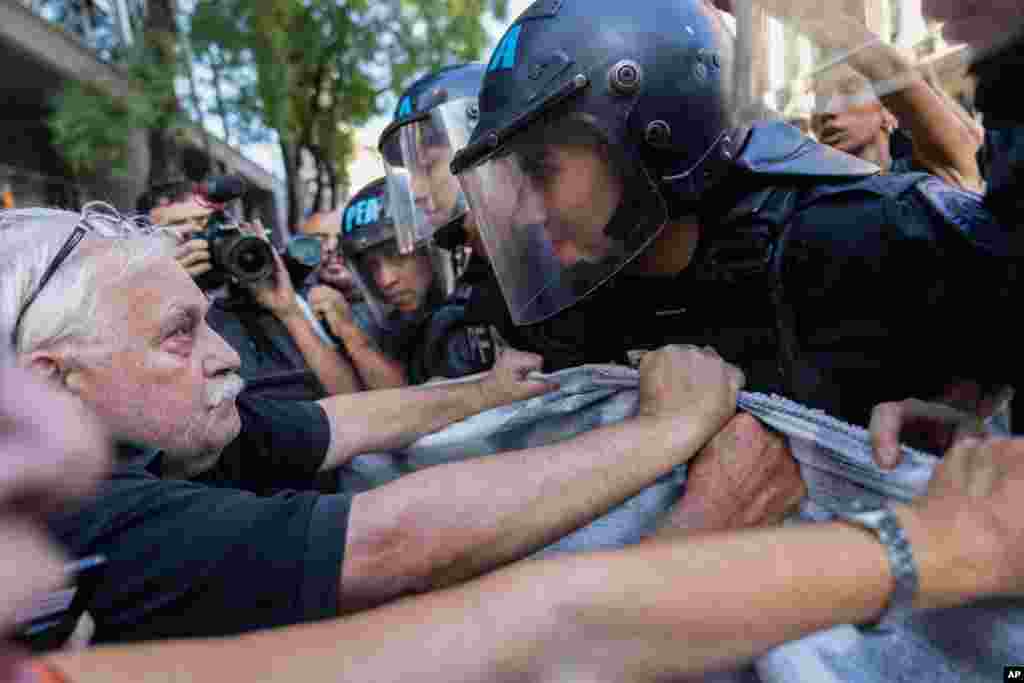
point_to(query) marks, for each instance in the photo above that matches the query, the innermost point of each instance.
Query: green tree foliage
(315, 70)
(88, 124)
(310, 71)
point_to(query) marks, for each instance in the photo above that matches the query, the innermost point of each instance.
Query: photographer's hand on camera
(276, 294)
(192, 254)
(331, 305)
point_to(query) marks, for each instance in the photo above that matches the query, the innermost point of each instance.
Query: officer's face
(403, 280)
(573, 192)
(979, 22)
(434, 188)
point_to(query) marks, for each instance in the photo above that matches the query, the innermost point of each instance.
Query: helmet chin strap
(686, 190)
(640, 214)
(647, 204)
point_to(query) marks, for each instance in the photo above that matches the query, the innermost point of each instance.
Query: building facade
(45, 44)
(776, 62)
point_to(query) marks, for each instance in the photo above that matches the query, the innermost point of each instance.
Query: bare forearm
(388, 419)
(450, 523)
(717, 602)
(642, 614)
(374, 366)
(944, 142)
(331, 368)
(440, 638)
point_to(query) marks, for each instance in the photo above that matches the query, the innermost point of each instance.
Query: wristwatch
(885, 525)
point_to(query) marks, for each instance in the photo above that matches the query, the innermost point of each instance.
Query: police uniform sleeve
(892, 298)
(189, 560)
(979, 261)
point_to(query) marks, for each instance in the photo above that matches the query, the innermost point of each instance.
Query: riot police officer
(400, 290)
(435, 118)
(613, 153)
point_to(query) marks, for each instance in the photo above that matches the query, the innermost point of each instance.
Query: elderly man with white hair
(208, 522)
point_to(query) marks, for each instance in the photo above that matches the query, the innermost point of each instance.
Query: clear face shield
(417, 154)
(544, 211)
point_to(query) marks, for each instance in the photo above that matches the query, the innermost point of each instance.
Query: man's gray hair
(67, 306)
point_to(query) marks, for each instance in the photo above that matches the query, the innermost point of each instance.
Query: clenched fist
(678, 382)
(508, 381)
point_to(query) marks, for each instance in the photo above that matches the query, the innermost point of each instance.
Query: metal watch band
(884, 523)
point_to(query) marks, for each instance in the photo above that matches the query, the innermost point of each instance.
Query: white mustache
(223, 389)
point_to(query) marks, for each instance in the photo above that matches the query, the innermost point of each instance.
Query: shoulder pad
(891, 185)
(776, 148)
(966, 212)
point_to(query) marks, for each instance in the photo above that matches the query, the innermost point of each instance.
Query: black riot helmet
(434, 119)
(368, 238)
(649, 84)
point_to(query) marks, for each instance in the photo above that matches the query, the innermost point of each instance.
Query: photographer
(261, 318)
(325, 228)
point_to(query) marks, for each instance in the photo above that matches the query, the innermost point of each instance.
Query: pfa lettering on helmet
(646, 92)
(362, 213)
(434, 118)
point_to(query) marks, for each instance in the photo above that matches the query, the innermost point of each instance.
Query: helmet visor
(545, 213)
(418, 155)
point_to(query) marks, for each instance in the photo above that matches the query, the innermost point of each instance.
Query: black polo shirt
(245, 546)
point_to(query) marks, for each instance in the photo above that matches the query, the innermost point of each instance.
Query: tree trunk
(161, 32)
(291, 155)
(332, 179)
(318, 163)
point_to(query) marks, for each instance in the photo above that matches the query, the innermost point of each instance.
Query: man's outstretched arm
(389, 419)
(447, 524)
(641, 614)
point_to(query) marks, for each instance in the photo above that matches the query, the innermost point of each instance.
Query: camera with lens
(242, 258)
(235, 255)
